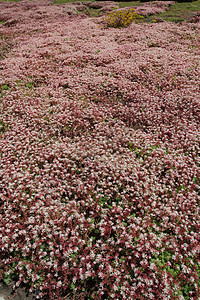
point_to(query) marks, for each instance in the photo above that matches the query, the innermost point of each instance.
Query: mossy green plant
(3, 127)
(121, 18)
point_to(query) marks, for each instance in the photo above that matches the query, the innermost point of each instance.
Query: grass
(5, 45)
(178, 12)
(127, 4)
(93, 12)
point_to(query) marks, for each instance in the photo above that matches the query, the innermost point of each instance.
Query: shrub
(121, 18)
(181, 1)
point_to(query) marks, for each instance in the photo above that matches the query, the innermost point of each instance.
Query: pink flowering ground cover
(99, 156)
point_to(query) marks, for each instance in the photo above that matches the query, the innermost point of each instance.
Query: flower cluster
(121, 18)
(99, 156)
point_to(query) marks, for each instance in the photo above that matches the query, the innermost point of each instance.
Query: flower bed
(99, 144)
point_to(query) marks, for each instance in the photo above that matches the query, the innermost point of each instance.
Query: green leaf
(7, 280)
(5, 87)
(135, 240)
(72, 286)
(132, 216)
(124, 223)
(195, 179)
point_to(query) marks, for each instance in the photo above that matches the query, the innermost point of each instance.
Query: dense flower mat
(99, 156)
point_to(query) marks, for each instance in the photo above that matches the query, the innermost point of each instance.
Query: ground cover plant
(99, 155)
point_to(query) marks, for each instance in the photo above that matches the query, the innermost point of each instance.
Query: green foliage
(174, 270)
(3, 127)
(178, 12)
(7, 279)
(185, 0)
(196, 180)
(93, 12)
(30, 85)
(103, 201)
(72, 286)
(129, 3)
(142, 152)
(11, 275)
(121, 18)
(182, 188)
(5, 87)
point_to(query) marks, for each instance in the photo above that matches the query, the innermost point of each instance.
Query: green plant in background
(129, 3)
(177, 12)
(5, 87)
(3, 127)
(185, 1)
(121, 18)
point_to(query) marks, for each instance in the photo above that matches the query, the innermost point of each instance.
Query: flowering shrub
(99, 157)
(121, 18)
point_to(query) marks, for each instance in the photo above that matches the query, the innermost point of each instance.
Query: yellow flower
(122, 18)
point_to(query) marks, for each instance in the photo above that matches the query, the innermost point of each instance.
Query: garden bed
(99, 155)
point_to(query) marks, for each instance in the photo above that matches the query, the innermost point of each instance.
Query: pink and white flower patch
(99, 156)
